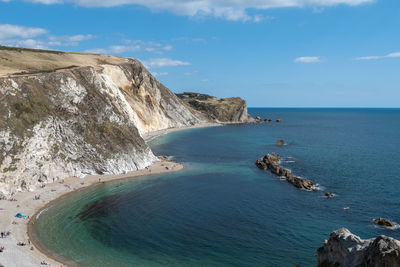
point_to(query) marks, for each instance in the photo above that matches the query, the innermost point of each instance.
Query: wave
(40, 212)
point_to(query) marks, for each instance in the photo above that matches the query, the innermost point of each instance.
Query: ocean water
(223, 211)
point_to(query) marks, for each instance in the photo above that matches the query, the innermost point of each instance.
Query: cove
(221, 210)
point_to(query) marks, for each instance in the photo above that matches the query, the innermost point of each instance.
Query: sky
(272, 53)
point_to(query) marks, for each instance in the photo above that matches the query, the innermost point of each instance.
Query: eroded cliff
(79, 120)
(232, 109)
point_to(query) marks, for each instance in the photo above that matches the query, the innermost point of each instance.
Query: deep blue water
(223, 211)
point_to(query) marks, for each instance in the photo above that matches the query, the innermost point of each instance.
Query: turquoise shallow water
(223, 211)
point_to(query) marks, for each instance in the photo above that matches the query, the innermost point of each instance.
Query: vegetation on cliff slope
(232, 109)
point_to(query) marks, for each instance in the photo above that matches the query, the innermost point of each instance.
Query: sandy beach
(151, 135)
(30, 205)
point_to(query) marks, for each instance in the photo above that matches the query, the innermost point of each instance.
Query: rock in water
(271, 162)
(329, 194)
(346, 249)
(384, 222)
(280, 143)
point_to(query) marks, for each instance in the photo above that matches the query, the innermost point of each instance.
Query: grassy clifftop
(15, 61)
(232, 109)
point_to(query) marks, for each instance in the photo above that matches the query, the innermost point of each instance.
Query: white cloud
(119, 49)
(391, 55)
(96, 51)
(69, 40)
(159, 74)
(168, 47)
(46, 2)
(164, 62)
(133, 46)
(226, 9)
(188, 40)
(8, 31)
(191, 72)
(308, 59)
(32, 37)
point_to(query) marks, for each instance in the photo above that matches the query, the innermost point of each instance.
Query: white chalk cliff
(81, 119)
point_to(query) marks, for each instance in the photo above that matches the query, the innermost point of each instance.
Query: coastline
(154, 134)
(15, 255)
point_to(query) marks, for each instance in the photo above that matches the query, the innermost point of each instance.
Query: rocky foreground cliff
(70, 114)
(346, 249)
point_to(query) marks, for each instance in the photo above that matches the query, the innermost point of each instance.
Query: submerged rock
(346, 249)
(329, 194)
(281, 143)
(271, 162)
(384, 222)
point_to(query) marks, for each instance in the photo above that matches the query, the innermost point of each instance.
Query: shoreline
(25, 203)
(154, 134)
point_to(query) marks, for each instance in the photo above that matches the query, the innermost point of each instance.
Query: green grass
(45, 71)
(20, 49)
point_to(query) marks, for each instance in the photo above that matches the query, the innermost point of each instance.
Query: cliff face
(346, 249)
(81, 120)
(217, 109)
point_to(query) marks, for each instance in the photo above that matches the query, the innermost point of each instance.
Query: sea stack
(281, 143)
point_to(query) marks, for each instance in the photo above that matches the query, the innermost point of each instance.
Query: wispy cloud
(193, 72)
(391, 55)
(8, 31)
(134, 46)
(308, 60)
(120, 49)
(235, 10)
(159, 74)
(32, 37)
(96, 51)
(164, 62)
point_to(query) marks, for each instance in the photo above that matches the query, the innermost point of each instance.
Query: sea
(221, 210)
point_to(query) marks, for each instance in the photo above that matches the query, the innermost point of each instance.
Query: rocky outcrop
(258, 119)
(384, 222)
(271, 162)
(329, 194)
(346, 249)
(281, 143)
(80, 120)
(217, 109)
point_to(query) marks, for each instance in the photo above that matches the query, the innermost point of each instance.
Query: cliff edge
(72, 114)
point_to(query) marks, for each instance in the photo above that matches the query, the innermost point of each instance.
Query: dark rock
(271, 162)
(346, 249)
(384, 222)
(280, 143)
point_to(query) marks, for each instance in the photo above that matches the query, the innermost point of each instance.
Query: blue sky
(273, 53)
